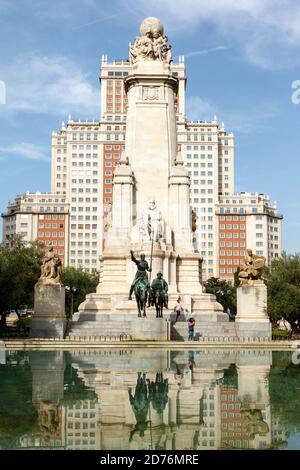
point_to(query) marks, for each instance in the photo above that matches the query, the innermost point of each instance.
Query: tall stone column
(151, 142)
(113, 274)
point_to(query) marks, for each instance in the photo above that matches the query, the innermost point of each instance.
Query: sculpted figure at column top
(152, 44)
(51, 267)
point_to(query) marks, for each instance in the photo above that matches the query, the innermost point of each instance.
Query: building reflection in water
(160, 400)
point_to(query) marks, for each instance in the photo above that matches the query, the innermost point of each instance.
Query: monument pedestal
(49, 319)
(120, 324)
(252, 319)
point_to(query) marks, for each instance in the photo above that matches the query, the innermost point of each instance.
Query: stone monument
(49, 319)
(151, 211)
(252, 319)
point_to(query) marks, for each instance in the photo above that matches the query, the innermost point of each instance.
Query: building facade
(39, 216)
(246, 221)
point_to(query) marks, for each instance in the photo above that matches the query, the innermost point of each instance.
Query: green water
(150, 399)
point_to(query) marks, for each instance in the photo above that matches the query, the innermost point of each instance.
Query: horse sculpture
(141, 295)
(140, 405)
(157, 299)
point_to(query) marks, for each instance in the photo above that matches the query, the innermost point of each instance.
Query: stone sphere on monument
(151, 25)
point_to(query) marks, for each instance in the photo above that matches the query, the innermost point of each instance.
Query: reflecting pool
(150, 399)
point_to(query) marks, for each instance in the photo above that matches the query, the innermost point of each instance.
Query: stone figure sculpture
(48, 419)
(159, 294)
(51, 267)
(152, 44)
(151, 225)
(194, 221)
(252, 268)
(140, 285)
(253, 421)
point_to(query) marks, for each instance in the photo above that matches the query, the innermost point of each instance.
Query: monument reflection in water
(160, 400)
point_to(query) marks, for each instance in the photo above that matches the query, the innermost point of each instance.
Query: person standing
(191, 329)
(178, 309)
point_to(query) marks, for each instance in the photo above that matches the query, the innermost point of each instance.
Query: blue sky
(241, 60)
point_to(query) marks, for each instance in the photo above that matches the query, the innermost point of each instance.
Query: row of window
(86, 164)
(86, 253)
(230, 261)
(110, 164)
(87, 199)
(235, 253)
(82, 209)
(116, 100)
(82, 226)
(199, 137)
(86, 181)
(82, 147)
(199, 147)
(84, 190)
(115, 128)
(199, 165)
(233, 217)
(114, 147)
(203, 209)
(84, 136)
(80, 261)
(232, 235)
(51, 234)
(84, 155)
(202, 156)
(203, 191)
(228, 271)
(116, 118)
(81, 217)
(235, 227)
(241, 210)
(82, 235)
(115, 137)
(54, 225)
(118, 108)
(85, 243)
(117, 74)
(235, 244)
(203, 200)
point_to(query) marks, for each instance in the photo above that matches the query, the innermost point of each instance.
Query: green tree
(19, 271)
(224, 292)
(284, 289)
(79, 283)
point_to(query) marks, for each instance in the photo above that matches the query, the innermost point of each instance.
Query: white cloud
(267, 31)
(250, 119)
(50, 85)
(205, 51)
(24, 150)
(199, 108)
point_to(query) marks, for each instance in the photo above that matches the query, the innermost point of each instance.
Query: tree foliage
(224, 292)
(80, 284)
(19, 271)
(284, 289)
(284, 390)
